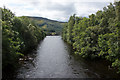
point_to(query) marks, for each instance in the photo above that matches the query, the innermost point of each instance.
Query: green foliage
(116, 64)
(19, 36)
(96, 36)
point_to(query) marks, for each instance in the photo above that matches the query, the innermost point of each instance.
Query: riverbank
(54, 59)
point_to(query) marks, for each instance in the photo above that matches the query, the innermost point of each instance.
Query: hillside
(51, 27)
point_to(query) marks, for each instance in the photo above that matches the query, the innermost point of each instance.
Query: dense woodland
(19, 37)
(97, 36)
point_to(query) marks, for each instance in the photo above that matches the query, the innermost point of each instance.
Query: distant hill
(51, 27)
(41, 18)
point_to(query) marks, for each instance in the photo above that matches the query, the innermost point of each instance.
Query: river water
(54, 59)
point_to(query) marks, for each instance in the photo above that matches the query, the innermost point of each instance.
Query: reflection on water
(54, 59)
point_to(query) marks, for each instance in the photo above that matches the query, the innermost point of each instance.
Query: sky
(59, 10)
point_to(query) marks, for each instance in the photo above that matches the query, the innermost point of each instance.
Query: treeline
(97, 36)
(19, 37)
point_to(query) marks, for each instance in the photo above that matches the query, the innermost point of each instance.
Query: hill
(51, 27)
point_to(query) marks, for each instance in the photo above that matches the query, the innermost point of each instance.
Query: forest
(96, 37)
(19, 37)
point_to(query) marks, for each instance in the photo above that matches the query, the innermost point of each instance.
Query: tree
(97, 36)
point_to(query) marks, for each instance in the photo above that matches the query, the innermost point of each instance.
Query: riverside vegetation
(20, 36)
(97, 36)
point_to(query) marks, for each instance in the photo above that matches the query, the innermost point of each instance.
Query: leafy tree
(17, 35)
(96, 36)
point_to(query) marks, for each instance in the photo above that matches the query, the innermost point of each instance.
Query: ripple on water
(54, 59)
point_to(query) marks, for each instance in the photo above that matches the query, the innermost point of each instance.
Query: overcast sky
(59, 10)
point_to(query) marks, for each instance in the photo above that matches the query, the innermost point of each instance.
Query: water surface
(54, 59)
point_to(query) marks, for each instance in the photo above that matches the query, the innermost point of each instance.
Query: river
(54, 59)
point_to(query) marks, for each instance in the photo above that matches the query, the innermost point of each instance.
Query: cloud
(62, 9)
(59, 10)
(87, 8)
